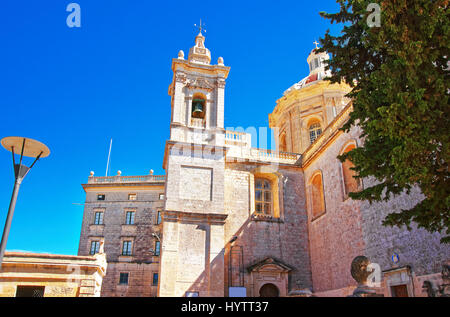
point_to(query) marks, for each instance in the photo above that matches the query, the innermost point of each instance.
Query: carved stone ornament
(200, 83)
(180, 77)
(221, 83)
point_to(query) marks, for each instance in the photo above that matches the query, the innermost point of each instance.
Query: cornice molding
(193, 217)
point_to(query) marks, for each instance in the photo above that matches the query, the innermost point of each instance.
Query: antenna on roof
(109, 155)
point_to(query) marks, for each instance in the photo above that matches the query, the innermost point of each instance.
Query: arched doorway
(269, 290)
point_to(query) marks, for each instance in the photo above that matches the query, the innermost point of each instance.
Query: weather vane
(200, 27)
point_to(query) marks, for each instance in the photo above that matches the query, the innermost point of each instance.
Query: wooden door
(399, 291)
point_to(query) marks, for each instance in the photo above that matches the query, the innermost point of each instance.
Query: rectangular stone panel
(196, 183)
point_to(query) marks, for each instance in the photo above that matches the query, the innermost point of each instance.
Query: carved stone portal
(269, 277)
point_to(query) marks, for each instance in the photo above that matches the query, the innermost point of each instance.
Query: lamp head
(27, 146)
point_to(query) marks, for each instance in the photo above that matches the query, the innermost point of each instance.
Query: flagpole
(109, 155)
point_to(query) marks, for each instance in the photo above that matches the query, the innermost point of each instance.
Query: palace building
(231, 220)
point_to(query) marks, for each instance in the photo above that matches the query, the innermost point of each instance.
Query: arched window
(315, 130)
(263, 196)
(351, 184)
(198, 106)
(315, 63)
(283, 147)
(317, 198)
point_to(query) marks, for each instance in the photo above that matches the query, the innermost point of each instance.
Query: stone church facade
(228, 219)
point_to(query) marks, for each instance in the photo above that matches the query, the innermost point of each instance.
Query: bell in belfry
(198, 108)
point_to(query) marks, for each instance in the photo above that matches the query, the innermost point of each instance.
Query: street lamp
(26, 147)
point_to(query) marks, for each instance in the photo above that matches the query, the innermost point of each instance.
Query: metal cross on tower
(200, 26)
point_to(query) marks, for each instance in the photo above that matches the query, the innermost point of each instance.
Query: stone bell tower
(192, 254)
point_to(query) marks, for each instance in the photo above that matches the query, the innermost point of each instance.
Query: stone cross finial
(315, 42)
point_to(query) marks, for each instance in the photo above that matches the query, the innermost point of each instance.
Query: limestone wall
(140, 280)
(284, 238)
(350, 228)
(195, 179)
(336, 237)
(143, 262)
(192, 246)
(114, 227)
(417, 248)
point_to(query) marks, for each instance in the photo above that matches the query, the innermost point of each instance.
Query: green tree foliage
(399, 73)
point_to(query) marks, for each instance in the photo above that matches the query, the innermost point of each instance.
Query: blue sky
(76, 88)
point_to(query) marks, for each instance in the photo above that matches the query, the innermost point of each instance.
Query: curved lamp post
(26, 147)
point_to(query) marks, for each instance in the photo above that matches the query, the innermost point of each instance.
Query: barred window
(130, 218)
(263, 196)
(98, 218)
(158, 219)
(155, 279)
(157, 248)
(95, 247)
(283, 146)
(126, 248)
(30, 291)
(314, 131)
(123, 278)
(316, 63)
(101, 197)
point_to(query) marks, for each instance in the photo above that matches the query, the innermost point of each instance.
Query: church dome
(317, 71)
